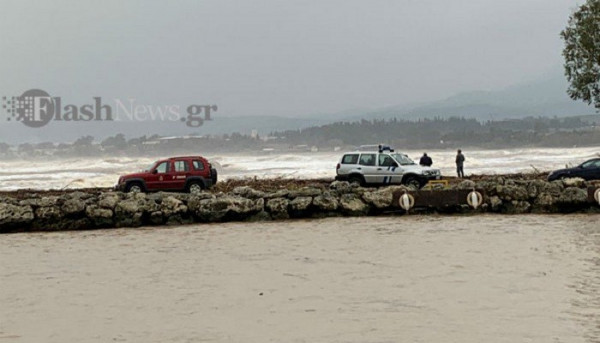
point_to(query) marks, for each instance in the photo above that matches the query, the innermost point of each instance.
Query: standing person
(460, 160)
(425, 160)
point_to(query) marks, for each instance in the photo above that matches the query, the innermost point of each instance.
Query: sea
(68, 173)
(396, 278)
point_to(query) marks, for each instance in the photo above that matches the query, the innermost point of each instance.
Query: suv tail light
(338, 166)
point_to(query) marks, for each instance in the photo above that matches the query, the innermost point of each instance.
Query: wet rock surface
(95, 209)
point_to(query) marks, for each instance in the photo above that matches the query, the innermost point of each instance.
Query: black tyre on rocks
(134, 187)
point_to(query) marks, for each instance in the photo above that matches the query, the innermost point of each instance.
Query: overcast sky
(276, 57)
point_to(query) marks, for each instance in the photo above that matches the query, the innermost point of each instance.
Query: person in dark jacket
(460, 160)
(425, 160)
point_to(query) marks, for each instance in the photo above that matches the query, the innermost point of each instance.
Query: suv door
(159, 177)
(367, 164)
(181, 171)
(387, 170)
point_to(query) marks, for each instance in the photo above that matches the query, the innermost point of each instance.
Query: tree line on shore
(455, 131)
(422, 133)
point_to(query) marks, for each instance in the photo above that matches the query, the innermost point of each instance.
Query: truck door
(160, 177)
(387, 170)
(180, 173)
(368, 166)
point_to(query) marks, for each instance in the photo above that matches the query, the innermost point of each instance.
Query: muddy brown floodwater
(485, 278)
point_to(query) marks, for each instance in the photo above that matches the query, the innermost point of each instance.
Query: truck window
(386, 161)
(367, 159)
(198, 165)
(350, 159)
(162, 168)
(181, 166)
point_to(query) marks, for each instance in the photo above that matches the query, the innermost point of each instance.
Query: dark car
(186, 173)
(588, 170)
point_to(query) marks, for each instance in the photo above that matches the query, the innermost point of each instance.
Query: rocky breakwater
(94, 210)
(517, 196)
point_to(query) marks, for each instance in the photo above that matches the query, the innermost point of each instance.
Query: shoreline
(281, 199)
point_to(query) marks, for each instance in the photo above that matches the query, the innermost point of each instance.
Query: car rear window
(198, 165)
(350, 159)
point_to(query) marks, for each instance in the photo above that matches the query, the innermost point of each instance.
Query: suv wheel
(356, 179)
(134, 187)
(194, 187)
(412, 181)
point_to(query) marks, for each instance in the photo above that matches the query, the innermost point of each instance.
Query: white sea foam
(104, 172)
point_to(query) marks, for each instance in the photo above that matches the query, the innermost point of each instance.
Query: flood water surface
(388, 279)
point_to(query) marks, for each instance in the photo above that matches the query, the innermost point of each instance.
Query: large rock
(383, 197)
(48, 213)
(545, 199)
(225, 207)
(535, 188)
(40, 202)
(544, 202)
(488, 187)
(73, 206)
(378, 199)
(278, 207)
(282, 193)
(553, 188)
(326, 202)
(300, 203)
(170, 206)
(101, 217)
(573, 195)
(466, 184)
(11, 215)
(304, 192)
(130, 212)
(509, 193)
(108, 200)
(342, 187)
(80, 195)
(159, 196)
(516, 207)
(495, 203)
(352, 204)
(248, 192)
(129, 206)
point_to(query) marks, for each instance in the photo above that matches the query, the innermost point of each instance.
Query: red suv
(187, 173)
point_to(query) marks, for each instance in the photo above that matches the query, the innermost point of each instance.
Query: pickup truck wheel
(412, 181)
(356, 179)
(133, 187)
(194, 187)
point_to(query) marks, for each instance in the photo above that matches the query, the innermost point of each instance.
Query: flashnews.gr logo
(36, 108)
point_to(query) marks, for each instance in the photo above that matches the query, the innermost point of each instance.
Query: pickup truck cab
(383, 166)
(185, 173)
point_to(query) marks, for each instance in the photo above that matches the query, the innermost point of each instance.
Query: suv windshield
(150, 166)
(403, 159)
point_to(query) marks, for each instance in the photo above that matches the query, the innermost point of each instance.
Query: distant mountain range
(544, 97)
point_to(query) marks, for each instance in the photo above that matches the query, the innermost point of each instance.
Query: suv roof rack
(383, 148)
(375, 147)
